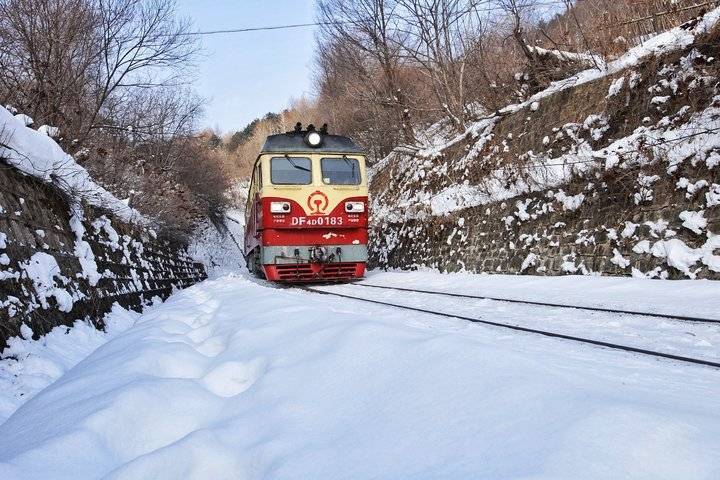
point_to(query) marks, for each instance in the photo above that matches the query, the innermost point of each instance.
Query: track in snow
(546, 333)
(543, 304)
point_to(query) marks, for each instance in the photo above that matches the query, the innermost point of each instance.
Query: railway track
(543, 304)
(518, 328)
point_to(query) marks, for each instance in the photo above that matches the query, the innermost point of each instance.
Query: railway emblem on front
(317, 202)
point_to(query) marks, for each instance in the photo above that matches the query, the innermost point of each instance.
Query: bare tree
(66, 61)
(491, 66)
(112, 75)
(441, 31)
(142, 46)
(365, 32)
(519, 12)
(47, 51)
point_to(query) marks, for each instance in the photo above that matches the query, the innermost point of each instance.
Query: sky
(246, 75)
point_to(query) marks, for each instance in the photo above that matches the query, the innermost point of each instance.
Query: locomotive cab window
(340, 171)
(290, 171)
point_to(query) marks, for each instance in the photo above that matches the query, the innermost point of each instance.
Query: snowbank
(37, 154)
(230, 379)
(27, 366)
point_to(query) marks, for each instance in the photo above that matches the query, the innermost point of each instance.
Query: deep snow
(27, 366)
(235, 379)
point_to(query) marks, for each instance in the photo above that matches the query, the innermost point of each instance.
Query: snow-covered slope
(489, 162)
(613, 171)
(231, 379)
(221, 249)
(37, 154)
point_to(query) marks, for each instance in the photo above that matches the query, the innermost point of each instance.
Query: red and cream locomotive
(307, 210)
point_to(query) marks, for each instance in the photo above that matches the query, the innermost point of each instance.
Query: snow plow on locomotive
(307, 209)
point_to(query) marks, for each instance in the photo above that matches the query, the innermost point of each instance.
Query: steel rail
(589, 341)
(544, 304)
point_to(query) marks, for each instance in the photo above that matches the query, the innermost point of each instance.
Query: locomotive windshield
(340, 171)
(290, 171)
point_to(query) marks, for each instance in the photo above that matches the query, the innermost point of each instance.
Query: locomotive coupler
(318, 254)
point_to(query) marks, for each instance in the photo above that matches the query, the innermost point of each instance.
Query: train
(306, 218)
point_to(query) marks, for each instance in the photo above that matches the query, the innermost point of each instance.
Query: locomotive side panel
(253, 213)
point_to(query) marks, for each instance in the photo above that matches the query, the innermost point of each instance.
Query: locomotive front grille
(289, 272)
(307, 272)
(339, 270)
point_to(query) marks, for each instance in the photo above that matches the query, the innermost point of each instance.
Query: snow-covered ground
(27, 366)
(698, 340)
(236, 379)
(678, 297)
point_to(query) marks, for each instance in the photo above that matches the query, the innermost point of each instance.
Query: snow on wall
(63, 255)
(35, 153)
(417, 176)
(675, 237)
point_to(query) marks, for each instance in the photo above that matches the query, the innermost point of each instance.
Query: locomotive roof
(295, 142)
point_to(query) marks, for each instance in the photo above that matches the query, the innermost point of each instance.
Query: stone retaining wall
(613, 225)
(47, 276)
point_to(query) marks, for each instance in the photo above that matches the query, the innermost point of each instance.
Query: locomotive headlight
(314, 139)
(279, 207)
(354, 207)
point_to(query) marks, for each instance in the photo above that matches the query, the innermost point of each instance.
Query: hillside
(636, 141)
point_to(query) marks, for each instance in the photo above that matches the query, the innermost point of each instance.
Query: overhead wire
(257, 29)
(544, 3)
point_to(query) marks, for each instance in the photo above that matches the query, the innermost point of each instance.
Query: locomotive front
(307, 212)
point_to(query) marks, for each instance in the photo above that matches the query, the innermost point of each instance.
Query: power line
(258, 29)
(544, 3)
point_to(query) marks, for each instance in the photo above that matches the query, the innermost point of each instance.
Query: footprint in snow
(212, 347)
(200, 334)
(176, 328)
(233, 378)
